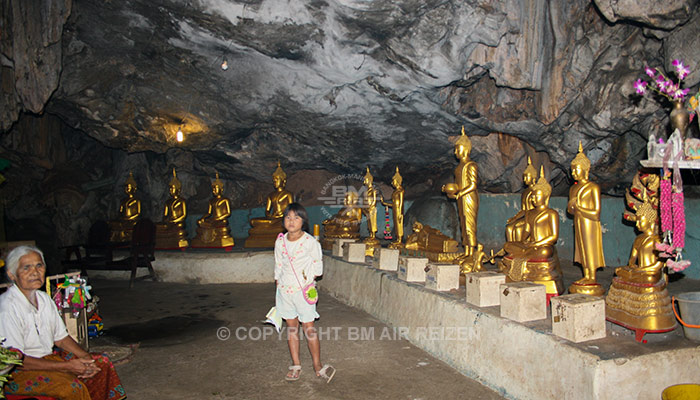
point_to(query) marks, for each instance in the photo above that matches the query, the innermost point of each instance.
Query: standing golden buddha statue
(213, 228)
(516, 223)
(264, 230)
(345, 224)
(638, 298)
(464, 190)
(129, 213)
(584, 205)
(534, 258)
(396, 205)
(370, 210)
(171, 233)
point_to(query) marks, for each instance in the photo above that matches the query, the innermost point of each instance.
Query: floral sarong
(64, 385)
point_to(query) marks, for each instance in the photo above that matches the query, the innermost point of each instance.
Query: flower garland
(672, 212)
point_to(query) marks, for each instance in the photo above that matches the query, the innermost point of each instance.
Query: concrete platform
(518, 360)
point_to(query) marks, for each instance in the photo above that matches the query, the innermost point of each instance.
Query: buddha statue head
(580, 165)
(463, 146)
(530, 173)
(279, 177)
(217, 187)
(541, 191)
(368, 179)
(130, 184)
(175, 185)
(397, 179)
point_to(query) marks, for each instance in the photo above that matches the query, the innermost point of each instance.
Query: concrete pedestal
(386, 259)
(412, 269)
(442, 277)
(523, 301)
(354, 252)
(483, 288)
(578, 317)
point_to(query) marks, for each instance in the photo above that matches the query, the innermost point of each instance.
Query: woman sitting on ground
(31, 323)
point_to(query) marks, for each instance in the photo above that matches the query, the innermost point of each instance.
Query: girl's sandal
(294, 372)
(327, 373)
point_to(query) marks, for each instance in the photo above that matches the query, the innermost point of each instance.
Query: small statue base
(120, 231)
(328, 240)
(590, 289)
(642, 307)
(266, 240)
(171, 237)
(371, 244)
(213, 238)
(544, 272)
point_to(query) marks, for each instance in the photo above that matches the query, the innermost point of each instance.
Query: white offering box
(386, 259)
(354, 252)
(412, 269)
(338, 246)
(483, 288)
(442, 277)
(523, 301)
(578, 317)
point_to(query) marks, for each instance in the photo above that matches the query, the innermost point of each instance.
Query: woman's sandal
(294, 372)
(327, 373)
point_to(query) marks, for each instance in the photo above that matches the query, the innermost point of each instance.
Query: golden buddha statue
(464, 190)
(265, 229)
(171, 233)
(213, 229)
(397, 209)
(345, 224)
(584, 205)
(638, 298)
(534, 258)
(426, 241)
(129, 213)
(370, 211)
(516, 223)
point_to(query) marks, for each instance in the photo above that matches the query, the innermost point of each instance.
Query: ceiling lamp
(179, 136)
(224, 65)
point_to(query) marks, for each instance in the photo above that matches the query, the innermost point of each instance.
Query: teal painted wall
(495, 209)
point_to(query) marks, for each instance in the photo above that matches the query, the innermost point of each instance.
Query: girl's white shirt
(306, 256)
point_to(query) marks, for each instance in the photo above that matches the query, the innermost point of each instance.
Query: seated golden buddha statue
(516, 224)
(129, 212)
(638, 298)
(534, 258)
(171, 233)
(345, 224)
(264, 230)
(213, 229)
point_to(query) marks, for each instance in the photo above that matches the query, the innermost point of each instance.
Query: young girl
(298, 261)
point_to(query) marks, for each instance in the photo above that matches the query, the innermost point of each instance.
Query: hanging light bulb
(179, 136)
(224, 65)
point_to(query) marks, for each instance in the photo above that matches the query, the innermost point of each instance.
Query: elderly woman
(31, 323)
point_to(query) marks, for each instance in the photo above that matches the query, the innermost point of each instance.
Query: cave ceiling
(338, 85)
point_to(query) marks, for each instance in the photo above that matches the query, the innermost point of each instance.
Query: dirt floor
(182, 341)
(208, 342)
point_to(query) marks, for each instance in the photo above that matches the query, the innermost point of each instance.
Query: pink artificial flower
(682, 70)
(670, 87)
(661, 82)
(680, 93)
(641, 86)
(649, 71)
